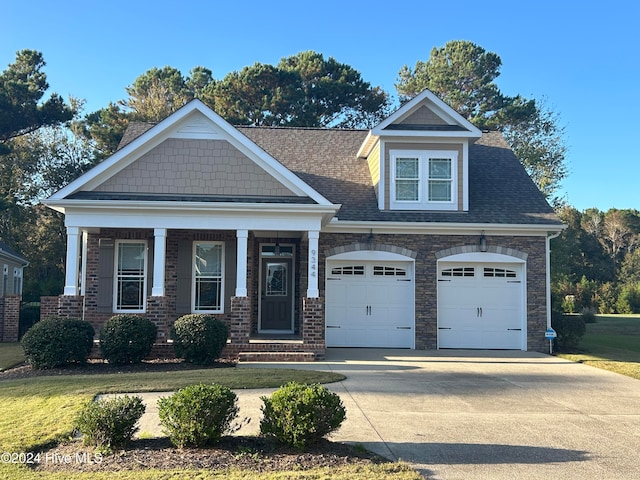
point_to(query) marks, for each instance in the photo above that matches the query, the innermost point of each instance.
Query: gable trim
(170, 127)
(440, 108)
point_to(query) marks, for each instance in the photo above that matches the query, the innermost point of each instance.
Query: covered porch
(256, 271)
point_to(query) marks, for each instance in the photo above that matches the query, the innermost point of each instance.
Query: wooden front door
(276, 301)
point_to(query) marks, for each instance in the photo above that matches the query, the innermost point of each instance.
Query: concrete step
(276, 357)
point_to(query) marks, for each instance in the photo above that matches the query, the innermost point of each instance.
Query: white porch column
(83, 268)
(312, 286)
(159, 254)
(241, 263)
(73, 256)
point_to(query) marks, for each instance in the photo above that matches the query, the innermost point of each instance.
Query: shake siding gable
(194, 167)
(423, 116)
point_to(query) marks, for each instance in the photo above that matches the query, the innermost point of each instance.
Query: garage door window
(499, 273)
(348, 270)
(458, 272)
(380, 270)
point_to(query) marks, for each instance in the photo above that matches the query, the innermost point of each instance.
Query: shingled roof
(500, 191)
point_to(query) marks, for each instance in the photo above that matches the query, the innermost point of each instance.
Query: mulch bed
(251, 453)
(97, 366)
(255, 454)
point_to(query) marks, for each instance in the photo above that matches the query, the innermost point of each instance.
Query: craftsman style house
(424, 233)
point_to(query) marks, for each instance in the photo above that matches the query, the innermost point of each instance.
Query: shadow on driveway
(486, 454)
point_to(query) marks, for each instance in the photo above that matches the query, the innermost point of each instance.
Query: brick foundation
(313, 326)
(68, 306)
(239, 324)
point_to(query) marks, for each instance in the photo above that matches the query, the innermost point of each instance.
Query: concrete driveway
(478, 414)
(489, 414)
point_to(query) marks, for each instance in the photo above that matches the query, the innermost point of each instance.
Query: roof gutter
(442, 228)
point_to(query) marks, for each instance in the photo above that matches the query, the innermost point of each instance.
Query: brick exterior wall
(425, 249)
(241, 313)
(62, 306)
(10, 318)
(313, 326)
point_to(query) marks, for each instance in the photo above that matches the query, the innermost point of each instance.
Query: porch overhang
(193, 215)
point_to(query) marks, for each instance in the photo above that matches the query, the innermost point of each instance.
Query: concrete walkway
(479, 414)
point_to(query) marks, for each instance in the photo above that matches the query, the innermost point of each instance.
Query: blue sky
(583, 58)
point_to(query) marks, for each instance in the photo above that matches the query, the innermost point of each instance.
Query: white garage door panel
(369, 310)
(481, 309)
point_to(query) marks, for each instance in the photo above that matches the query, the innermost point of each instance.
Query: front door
(276, 300)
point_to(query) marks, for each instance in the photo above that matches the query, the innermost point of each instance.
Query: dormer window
(423, 180)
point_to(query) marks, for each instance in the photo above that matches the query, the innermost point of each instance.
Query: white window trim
(423, 181)
(17, 281)
(193, 276)
(144, 281)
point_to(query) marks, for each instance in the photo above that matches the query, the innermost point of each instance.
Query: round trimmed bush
(198, 415)
(127, 339)
(57, 341)
(570, 329)
(299, 414)
(110, 424)
(199, 338)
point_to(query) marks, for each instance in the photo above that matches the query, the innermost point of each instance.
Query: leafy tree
(157, 93)
(334, 93)
(105, 129)
(617, 236)
(201, 85)
(258, 95)
(22, 87)
(576, 254)
(463, 75)
(39, 164)
(539, 144)
(629, 271)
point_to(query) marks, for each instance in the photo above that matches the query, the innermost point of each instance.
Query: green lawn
(39, 411)
(10, 355)
(612, 343)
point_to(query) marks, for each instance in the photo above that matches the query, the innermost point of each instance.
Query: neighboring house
(423, 232)
(10, 292)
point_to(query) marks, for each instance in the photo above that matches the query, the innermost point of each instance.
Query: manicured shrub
(57, 341)
(629, 299)
(198, 415)
(588, 315)
(199, 338)
(109, 424)
(298, 414)
(127, 339)
(570, 329)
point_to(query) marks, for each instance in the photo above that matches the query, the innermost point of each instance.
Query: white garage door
(481, 306)
(369, 304)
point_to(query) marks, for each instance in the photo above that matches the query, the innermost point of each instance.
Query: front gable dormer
(418, 157)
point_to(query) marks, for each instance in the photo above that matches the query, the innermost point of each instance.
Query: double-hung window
(208, 275)
(130, 276)
(423, 180)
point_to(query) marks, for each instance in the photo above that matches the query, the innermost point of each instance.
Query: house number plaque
(314, 263)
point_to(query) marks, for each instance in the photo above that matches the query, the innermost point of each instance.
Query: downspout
(548, 273)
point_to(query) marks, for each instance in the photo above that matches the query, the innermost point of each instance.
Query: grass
(11, 354)
(612, 343)
(39, 411)
(391, 471)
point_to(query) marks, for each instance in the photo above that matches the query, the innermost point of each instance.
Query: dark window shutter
(184, 272)
(105, 276)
